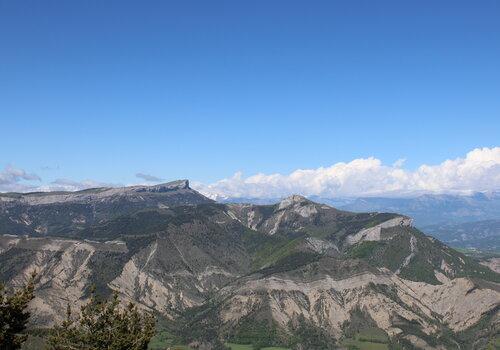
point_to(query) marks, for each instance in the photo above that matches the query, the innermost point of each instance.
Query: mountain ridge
(219, 270)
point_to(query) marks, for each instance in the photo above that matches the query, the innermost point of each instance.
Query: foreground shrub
(13, 315)
(103, 325)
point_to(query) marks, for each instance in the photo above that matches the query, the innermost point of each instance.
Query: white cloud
(479, 170)
(399, 163)
(70, 185)
(14, 179)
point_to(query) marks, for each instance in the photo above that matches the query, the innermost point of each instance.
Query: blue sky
(103, 90)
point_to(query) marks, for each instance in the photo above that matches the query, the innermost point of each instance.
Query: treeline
(100, 324)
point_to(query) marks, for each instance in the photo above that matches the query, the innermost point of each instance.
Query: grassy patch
(420, 270)
(373, 334)
(370, 338)
(234, 346)
(257, 334)
(291, 262)
(305, 335)
(364, 345)
(270, 252)
(363, 250)
(163, 340)
(494, 343)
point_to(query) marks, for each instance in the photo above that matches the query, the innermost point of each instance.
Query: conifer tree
(103, 325)
(14, 315)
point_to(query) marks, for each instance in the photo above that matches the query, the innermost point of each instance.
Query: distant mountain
(426, 209)
(480, 235)
(434, 209)
(249, 200)
(69, 213)
(446, 217)
(295, 273)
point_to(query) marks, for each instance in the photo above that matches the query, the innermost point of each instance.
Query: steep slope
(337, 272)
(66, 270)
(419, 301)
(272, 273)
(329, 301)
(167, 268)
(463, 221)
(296, 215)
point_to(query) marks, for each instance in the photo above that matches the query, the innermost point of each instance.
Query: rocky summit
(236, 272)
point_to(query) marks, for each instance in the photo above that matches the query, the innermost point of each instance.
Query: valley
(295, 274)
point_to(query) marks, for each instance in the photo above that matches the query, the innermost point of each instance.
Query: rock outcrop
(291, 262)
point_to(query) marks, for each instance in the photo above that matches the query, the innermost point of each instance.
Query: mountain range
(462, 221)
(296, 273)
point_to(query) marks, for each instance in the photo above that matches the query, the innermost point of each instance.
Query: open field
(250, 347)
(365, 345)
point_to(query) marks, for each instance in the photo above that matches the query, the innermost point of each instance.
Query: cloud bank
(13, 179)
(479, 170)
(70, 185)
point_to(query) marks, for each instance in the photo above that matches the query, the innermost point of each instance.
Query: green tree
(103, 325)
(13, 314)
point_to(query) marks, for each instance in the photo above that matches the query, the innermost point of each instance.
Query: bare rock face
(492, 263)
(65, 271)
(168, 276)
(328, 300)
(289, 263)
(374, 233)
